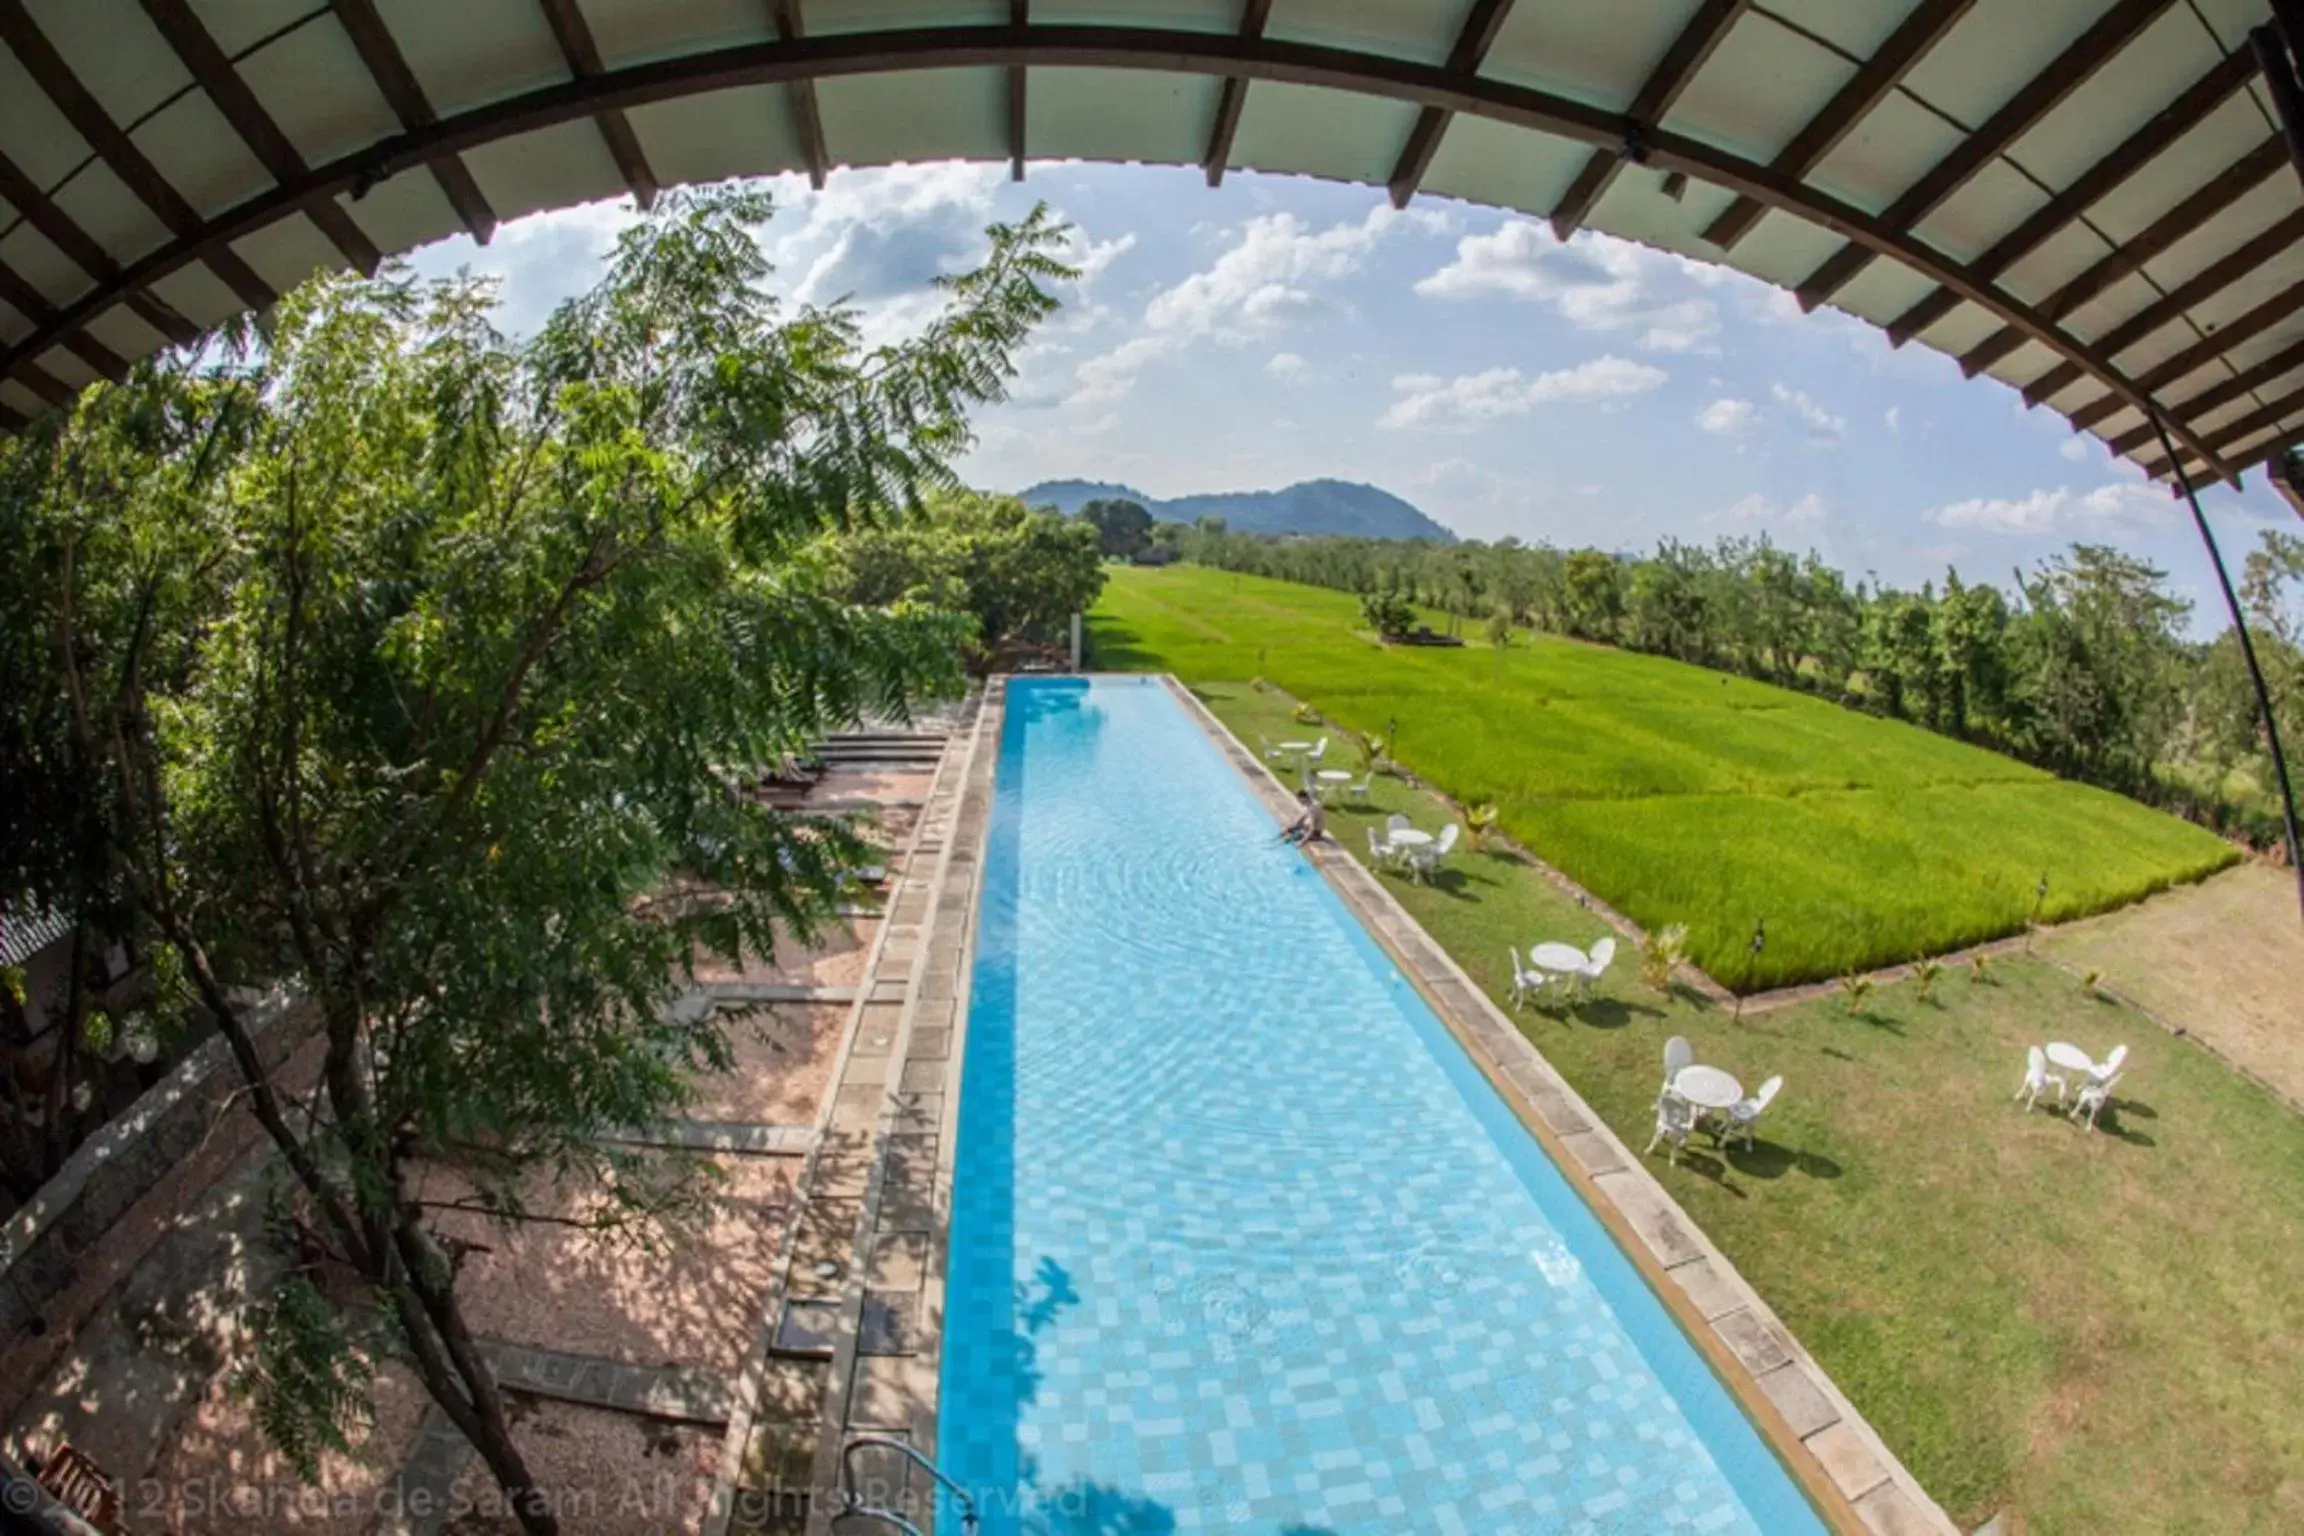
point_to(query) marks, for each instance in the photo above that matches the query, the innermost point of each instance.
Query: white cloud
(1756, 509)
(2124, 506)
(1288, 368)
(1594, 282)
(1461, 403)
(1263, 281)
(1822, 425)
(2074, 448)
(1895, 418)
(1729, 417)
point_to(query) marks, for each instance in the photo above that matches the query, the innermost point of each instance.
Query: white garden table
(1708, 1087)
(1567, 959)
(2070, 1057)
(1409, 837)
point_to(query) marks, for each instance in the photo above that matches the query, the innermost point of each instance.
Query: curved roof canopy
(2090, 200)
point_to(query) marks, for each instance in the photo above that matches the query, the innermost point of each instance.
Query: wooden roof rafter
(1226, 56)
(38, 209)
(1473, 40)
(1233, 95)
(213, 71)
(404, 94)
(807, 117)
(119, 153)
(2019, 115)
(582, 55)
(1691, 49)
(1928, 24)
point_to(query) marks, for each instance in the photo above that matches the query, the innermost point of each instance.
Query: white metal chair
(1745, 1113)
(2110, 1066)
(1395, 823)
(1596, 963)
(2037, 1077)
(2094, 1095)
(1319, 751)
(1678, 1053)
(1528, 982)
(1272, 754)
(1380, 853)
(1675, 1118)
(1357, 794)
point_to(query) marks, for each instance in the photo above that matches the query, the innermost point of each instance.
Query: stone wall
(41, 1244)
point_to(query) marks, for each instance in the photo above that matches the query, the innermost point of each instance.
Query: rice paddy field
(1681, 795)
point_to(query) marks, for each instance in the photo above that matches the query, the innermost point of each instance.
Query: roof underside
(2089, 200)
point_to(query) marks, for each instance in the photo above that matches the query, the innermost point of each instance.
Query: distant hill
(1310, 506)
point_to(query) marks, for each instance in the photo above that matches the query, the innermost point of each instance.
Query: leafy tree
(1123, 527)
(1018, 574)
(1387, 613)
(1595, 594)
(418, 656)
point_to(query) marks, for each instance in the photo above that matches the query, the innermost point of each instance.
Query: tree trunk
(450, 1364)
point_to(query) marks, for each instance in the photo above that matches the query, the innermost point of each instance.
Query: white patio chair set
(1329, 784)
(2058, 1066)
(1557, 970)
(1697, 1097)
(1409, 849)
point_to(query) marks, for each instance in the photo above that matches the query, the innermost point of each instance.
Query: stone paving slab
(689, 1394)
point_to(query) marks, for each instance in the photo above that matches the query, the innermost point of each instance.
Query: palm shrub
(1480, 821)
(1926, 973)
(1660, 953)
(1855, 988)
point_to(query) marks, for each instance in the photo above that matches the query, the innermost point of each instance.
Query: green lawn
(2098, 1332)
(1681, 795)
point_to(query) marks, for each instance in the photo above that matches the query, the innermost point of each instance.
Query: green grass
(1683, 795)
(2097, 1332)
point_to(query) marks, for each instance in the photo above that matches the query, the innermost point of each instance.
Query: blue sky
(1596, 392)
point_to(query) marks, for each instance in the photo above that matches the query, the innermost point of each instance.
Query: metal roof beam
(388, 67)
(807, 119)
(1084, 47)
(1672, 74)
(113, 146)
(1478, 35)
(1920, 31)
(582, 56)
(2186, 296)
(213, 71)
(2130, 255)
(2071, 69)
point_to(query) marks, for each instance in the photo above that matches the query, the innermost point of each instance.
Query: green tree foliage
(2082, 667)
(413, 661)
(1123, 528)
(1019, 574)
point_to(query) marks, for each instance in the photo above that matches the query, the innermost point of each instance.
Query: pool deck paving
(854, 1347)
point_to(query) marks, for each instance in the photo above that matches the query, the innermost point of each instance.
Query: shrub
(1856, 989)
(1480, 821)
(1926, 972)
(1660, 952)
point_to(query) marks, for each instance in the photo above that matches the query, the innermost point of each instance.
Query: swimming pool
(1241, 1239)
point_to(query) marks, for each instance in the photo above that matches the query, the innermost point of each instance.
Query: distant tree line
(2082, 667)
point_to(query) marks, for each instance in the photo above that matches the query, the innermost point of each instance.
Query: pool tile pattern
(1240, 1239)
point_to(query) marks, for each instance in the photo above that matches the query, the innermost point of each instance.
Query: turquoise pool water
(1241, 1240)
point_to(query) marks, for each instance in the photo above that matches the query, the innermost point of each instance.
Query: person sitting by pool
(1310, 827)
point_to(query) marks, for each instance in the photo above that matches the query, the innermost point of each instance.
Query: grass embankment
(1681, 795)
(2094, 1332)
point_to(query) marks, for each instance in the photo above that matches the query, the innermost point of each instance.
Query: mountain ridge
(1321, 506)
